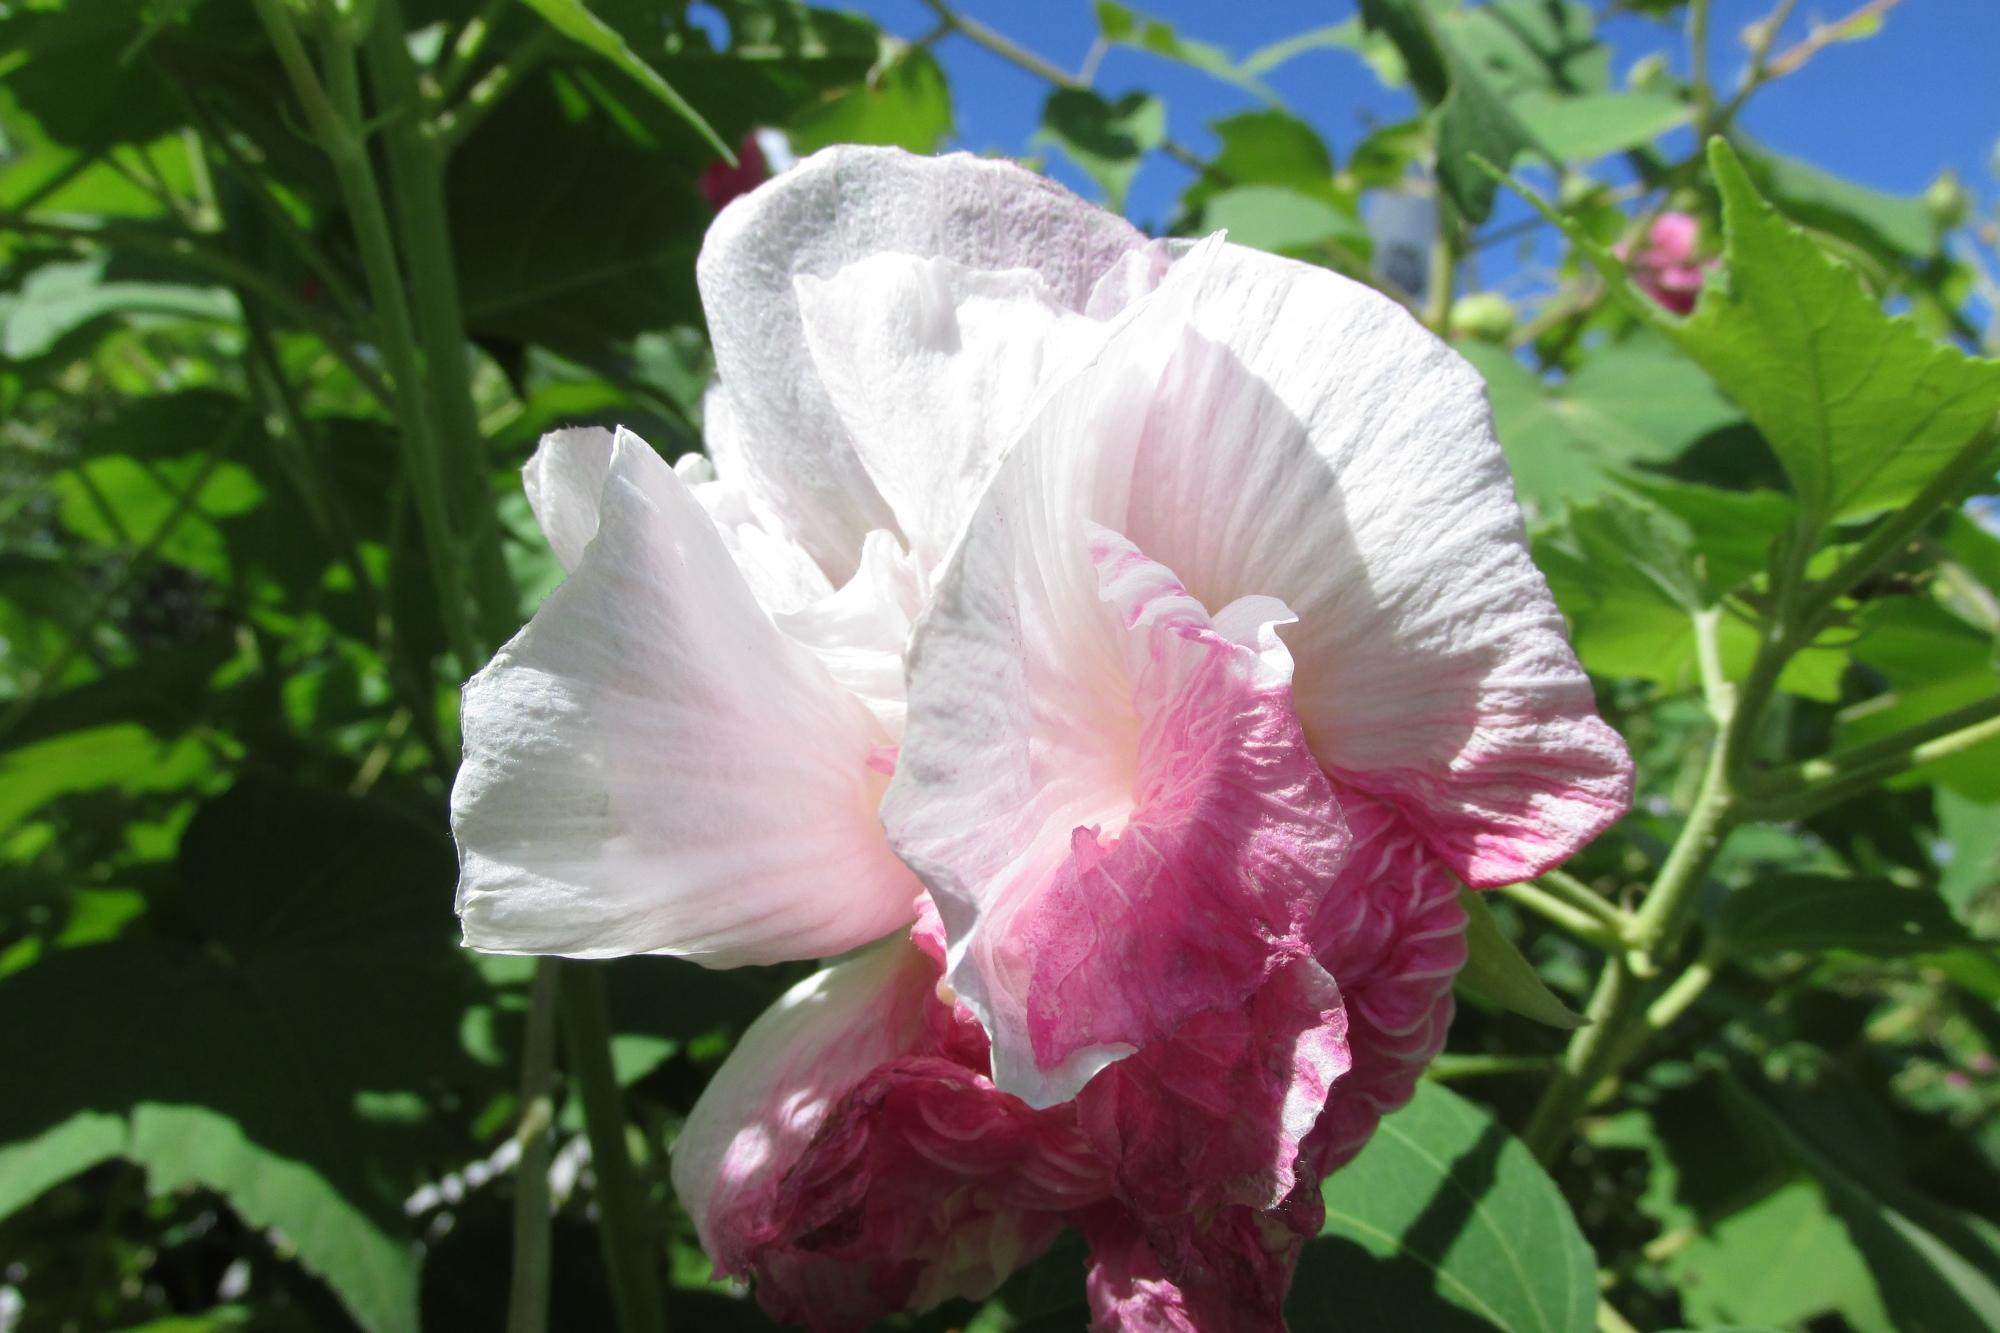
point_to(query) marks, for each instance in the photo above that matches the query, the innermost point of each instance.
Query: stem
(1446, 1067)
(1004, 47)
(334, 112)
(1583, 925)
(625, 1226)
(1577, 894)
(1704, 91)
(528, 1293)
(416, 170)
(1815, 784)
(1584, 1063)
(459, 122)
(1894, 533)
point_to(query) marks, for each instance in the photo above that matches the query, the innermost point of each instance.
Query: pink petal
(1110, 800)
(837, 206)
(1314, 443)
(1393, 935)
(1216, 1113)
(650, 766)
(1227, 1273)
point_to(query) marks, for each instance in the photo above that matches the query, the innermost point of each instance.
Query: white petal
(785, 1073)
(564, 478)
(651, 766)
(933, 368)
(860, 632)
(838, 206)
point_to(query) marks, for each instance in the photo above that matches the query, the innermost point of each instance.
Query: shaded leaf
(905, 103)
(574, 20)
(1813, 913)
(1445, 1222)
(1496, 975)
(1106, 139)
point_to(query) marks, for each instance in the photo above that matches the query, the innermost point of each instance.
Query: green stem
(334, 112)
(1577, 894)
(1894, 533)
(1815, 784)
(416, 171)
(1584, 1061)
(625, 1226)
(1584, 926)
(528, 1292)
(458, 123)
(1447, 1067)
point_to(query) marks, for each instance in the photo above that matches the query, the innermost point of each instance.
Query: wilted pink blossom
(1151, 624)
(1668, 267)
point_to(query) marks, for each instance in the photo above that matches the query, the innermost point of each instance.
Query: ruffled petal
(1316, 444)
(835, 207)
(933, 367)
(651, 766)
(1216, 1114)
(1392, 934)
(1111, 801)
(849, 1158)
(1225, 1273)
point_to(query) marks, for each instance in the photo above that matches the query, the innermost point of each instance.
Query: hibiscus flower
(1152, 624)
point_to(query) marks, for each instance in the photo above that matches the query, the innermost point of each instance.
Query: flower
(1668, 267)
(1136, 642)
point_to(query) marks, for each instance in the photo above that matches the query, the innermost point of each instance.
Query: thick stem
(528, 1292)
(1591, 929)
(333, 110)
(1584, 1062)
(416, 171)
(1819, 783)
(624, 1224)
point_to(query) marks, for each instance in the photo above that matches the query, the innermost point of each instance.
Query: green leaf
(1933, 662)
(58, 299)
(1122, 25)
(122, 757)
(1783, 1260)
(1444, 1223)
(1283, 221)
(1860, 407)
(1630, 404)
(66, 1148)
(1106, 139)
(1580, 128)
(1971, 831)
(1814, 913)
(304, 977)
(574, 21)
(1497, 976)
(1892, 227)
(905, 103)
(1268, 147)
(1935, 1266)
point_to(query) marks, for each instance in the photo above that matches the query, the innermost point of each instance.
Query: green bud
(1484, 315)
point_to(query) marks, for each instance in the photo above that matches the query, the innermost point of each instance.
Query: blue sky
(1890, 112)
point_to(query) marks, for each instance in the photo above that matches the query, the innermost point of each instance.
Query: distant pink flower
(720, 182)
(1170, 610)
(1668, 267)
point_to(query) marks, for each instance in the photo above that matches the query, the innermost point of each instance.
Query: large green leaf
(1860, 407)
(1579, 128)
(1783, 1260)
(1445, 1223)
(1813, 913)
(283, 1038)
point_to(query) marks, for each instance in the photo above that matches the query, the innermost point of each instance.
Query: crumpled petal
(1224, 1273)
(933, 368)
(651, 766)
(1316, 444)
(1217, 1113)
(837, 206)
(1392, 931)
(849, 1156)
(1110, 800)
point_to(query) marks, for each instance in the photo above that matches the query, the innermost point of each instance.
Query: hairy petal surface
(651, 766)
(838, 206)
(1108, 795)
